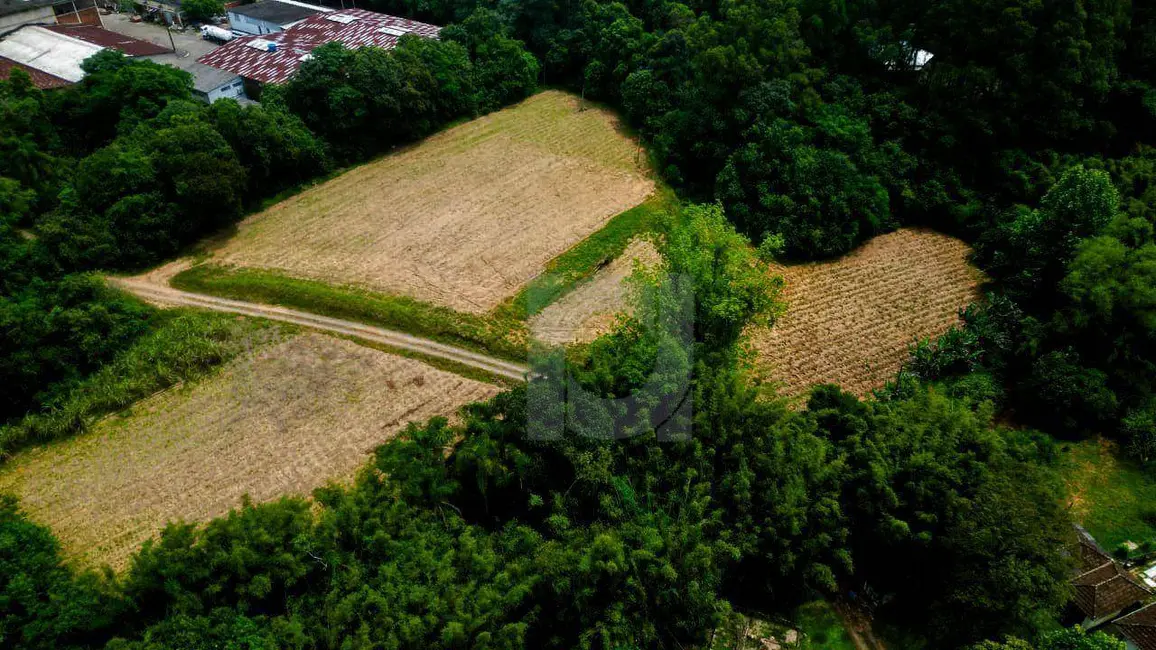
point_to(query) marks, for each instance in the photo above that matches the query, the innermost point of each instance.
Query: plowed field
(850, 321)
(463, 219)
(284, 419)
(590, 310)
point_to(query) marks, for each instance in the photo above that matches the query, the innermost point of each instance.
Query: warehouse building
(52, 54)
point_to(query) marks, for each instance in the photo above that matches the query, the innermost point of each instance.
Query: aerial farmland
(462, 219)
(460, 222)
(851, 321)
(292, 413)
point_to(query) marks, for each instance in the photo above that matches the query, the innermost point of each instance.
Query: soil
(463, 219)
(851, 321)
(283, 419)
(591, 309)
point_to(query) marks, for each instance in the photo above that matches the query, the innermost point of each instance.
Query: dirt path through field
(150, 287)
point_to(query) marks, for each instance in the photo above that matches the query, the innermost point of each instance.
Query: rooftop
(16, 6)
(273, 58)
(278, 11)
(1090, 553)
(1106, 590)
(1140, 627)
(48, 51)
(40, 79)
(104, 38)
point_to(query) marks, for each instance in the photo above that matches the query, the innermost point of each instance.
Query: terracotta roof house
(1090, 555)
(1105, 591)
(1139, 628)
(14, 13)
(47, 51)
(273, 58)
(52, 54)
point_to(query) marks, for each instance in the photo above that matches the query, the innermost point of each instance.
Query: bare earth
(463, 219)
(589, 311)
(850, 321)
(285, 419)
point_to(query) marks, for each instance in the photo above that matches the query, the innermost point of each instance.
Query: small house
(1103, 588)
(14, 13)
(909, 58)
(270, 16)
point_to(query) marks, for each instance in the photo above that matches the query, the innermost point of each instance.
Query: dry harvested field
(589, 311)
(285, 419)
(850, 321)
(463, 219)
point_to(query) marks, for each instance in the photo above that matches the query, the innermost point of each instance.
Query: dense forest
(794, 129)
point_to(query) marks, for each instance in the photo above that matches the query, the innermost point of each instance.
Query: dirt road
(169, 296)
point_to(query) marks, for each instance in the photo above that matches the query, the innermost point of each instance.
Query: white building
(211, 84)
(57, 54)
(271, 16)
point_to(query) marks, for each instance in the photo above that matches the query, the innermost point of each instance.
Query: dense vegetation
(504, 541)
(1029, 133)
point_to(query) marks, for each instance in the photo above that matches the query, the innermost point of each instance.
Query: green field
(1109, 494)
(822, 628)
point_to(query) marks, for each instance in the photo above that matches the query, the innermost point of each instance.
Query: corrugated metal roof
(47, 51)
(41, 80)
(354, 28)
(206, 78)
(100, 36)
(277, 12)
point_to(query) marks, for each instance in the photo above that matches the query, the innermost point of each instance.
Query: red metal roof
(40, 79)
(353, 27)
(104, 38)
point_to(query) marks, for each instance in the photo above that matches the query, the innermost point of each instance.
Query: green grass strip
(578, 264)
(497, 337)
(501, 333)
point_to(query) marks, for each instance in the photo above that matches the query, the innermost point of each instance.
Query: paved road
(168, 295)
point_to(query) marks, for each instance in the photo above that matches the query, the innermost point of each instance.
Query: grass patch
(578, 264)
(821, 627)
(1113, 497)
(184, 345)
(500, 337)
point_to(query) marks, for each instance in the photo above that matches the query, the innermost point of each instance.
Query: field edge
(501, 338)
(502, 332)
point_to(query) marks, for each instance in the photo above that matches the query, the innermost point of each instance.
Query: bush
(180, 349)
(202, 10)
